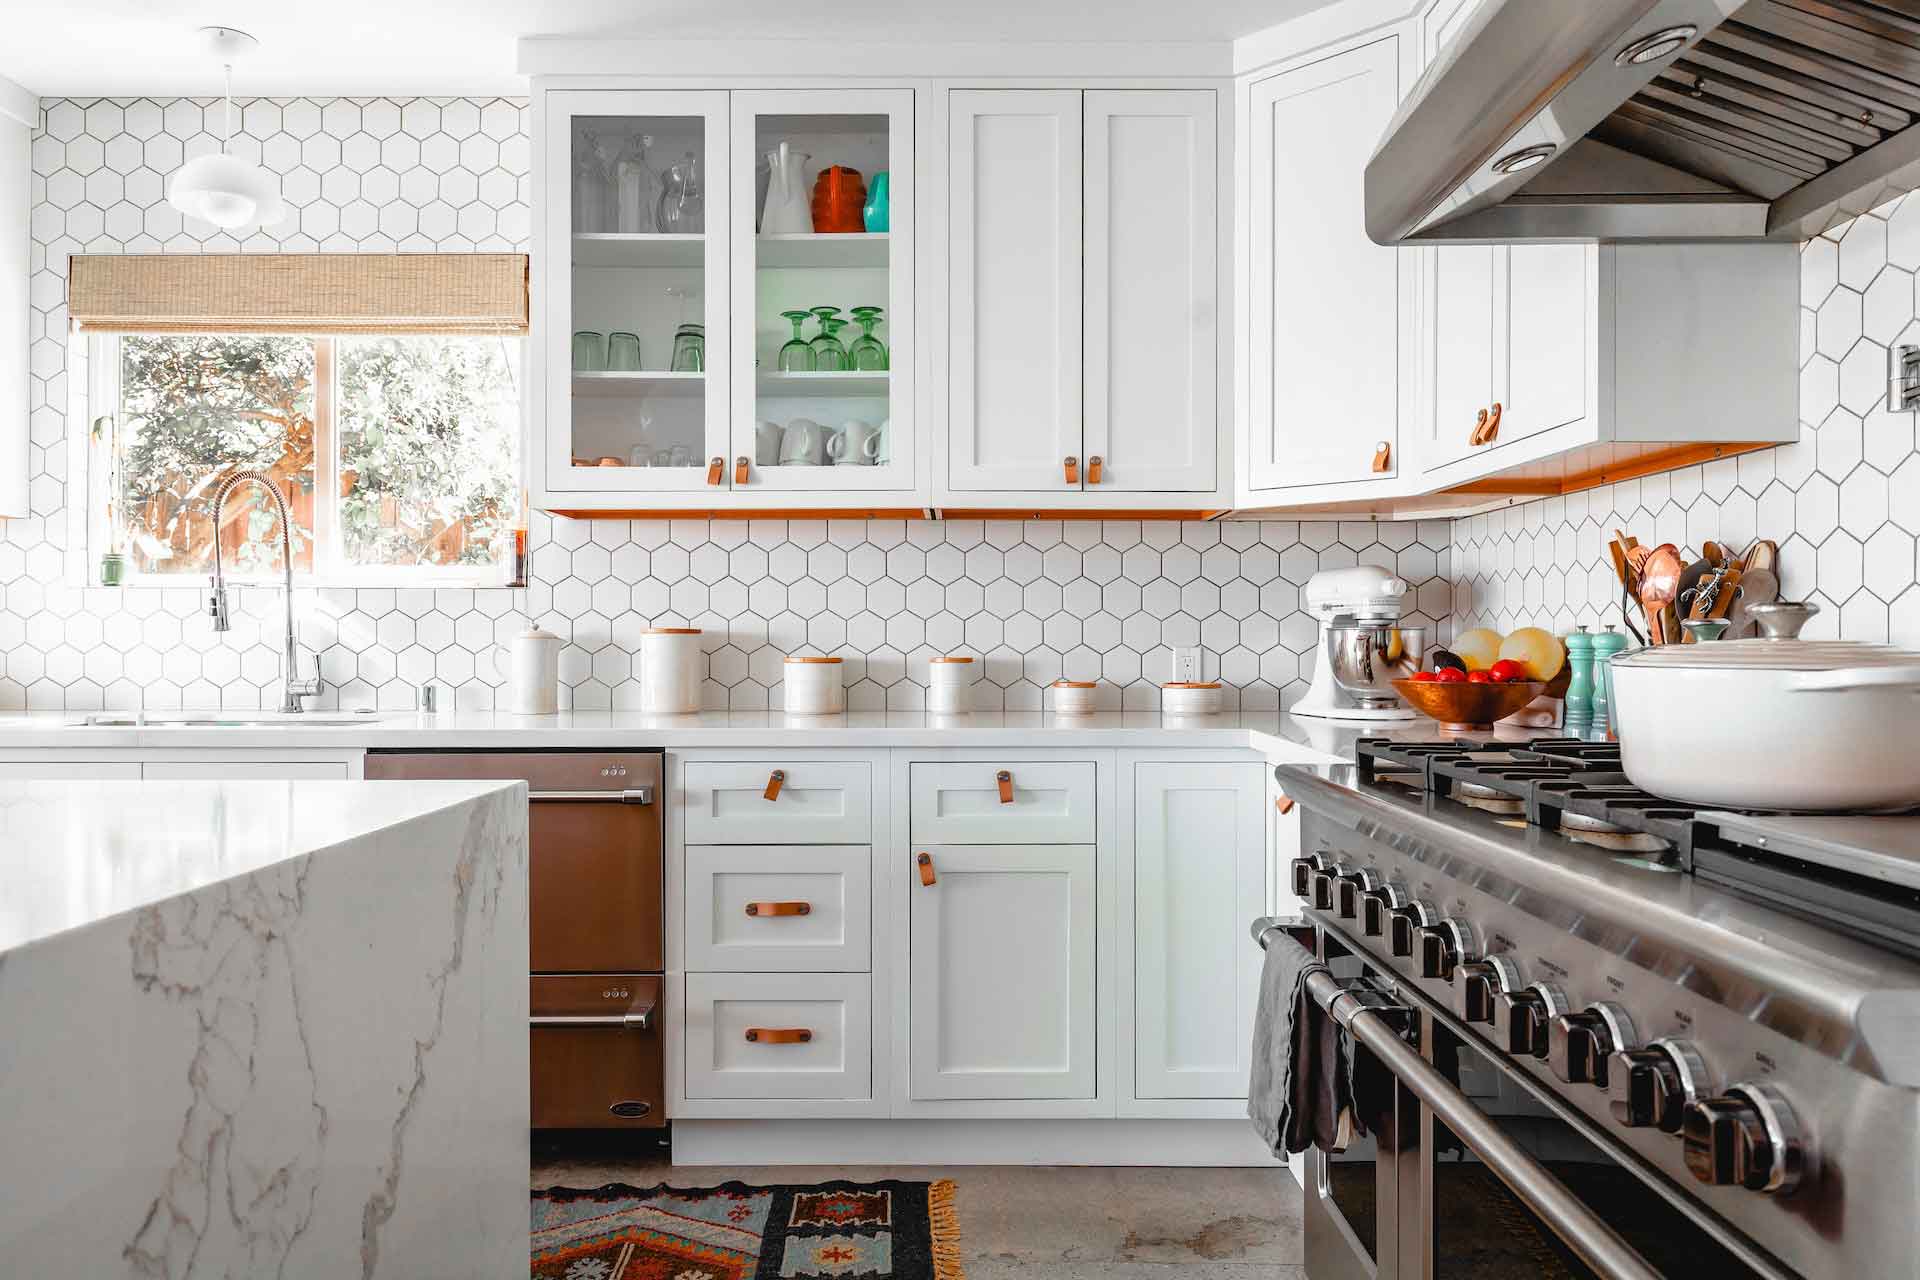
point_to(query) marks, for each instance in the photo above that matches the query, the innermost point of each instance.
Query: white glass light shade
(226, 191)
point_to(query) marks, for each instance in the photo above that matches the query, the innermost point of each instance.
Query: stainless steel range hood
(1654, 120)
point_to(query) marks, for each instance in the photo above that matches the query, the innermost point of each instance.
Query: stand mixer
(1363, 648)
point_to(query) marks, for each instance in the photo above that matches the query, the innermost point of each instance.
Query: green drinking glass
(828, 353)
(796, 356)
(867, 352)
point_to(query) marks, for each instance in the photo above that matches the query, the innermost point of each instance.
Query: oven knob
(1478, 982)
(1324, 881)
(1747, 1137)
(1652, 1087)
(1347, 892)
(1444, 945)
(1520, 1018)
(1303, 869)
(1405, 923)
(1376, 905)
(1579, 1044)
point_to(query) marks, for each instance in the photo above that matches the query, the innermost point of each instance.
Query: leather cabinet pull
(779, 1035)
(925, 862)
(1479, 426)
(1072, 465)
(716, 470)
(1283, 805)
(1492, 431)
(1382, 456)
(1005, 780)
(758, 909)
(740, 469)
(774, 781)
(1093, 469)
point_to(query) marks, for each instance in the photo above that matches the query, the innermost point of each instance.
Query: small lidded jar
(1189, 697)
(949, 685)
(1075, 697)
(670, 670)
(813, 686)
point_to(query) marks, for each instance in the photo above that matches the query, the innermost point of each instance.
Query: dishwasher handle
(638, 1017)
(632, 795)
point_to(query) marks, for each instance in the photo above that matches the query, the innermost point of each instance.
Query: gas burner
(1602, 834)
(1487, 799)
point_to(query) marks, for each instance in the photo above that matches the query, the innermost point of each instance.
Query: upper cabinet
(1083, 299)
(1330, 315)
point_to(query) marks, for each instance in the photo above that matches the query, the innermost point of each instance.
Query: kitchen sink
(223, 720)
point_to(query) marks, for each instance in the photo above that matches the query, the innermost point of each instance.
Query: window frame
(95, 461)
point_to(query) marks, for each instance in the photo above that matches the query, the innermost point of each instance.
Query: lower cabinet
(779, 1035)
(1001, 994)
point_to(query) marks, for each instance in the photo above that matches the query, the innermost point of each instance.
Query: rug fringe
(943, 1222)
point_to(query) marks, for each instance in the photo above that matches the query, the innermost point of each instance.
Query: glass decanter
(683, 204)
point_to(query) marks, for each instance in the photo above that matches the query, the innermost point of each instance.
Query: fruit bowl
(1464, 705)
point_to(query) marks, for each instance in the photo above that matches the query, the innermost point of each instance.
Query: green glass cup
(796, 356)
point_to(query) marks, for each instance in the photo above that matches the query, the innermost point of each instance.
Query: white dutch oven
(1771, 724)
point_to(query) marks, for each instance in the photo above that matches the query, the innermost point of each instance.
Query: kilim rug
(873, 1230)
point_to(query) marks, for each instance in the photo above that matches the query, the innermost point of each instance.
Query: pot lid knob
(1782, 619)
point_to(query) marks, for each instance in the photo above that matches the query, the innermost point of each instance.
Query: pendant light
(224, 189)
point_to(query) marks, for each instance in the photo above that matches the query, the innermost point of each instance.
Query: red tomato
(1480, 677)
(1450, 675)
(1424, 677)
(1506, 671)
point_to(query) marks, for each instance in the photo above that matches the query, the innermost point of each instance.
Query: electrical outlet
(1186, 661)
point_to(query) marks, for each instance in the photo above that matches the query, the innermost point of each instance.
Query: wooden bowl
(1465, 705)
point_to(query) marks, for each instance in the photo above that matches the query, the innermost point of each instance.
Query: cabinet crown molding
(555, 56)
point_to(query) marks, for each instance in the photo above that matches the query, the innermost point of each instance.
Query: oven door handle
(638, 1017)
(1597, 1244)
(632, 795)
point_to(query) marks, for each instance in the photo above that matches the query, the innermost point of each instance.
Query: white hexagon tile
(1843, 502)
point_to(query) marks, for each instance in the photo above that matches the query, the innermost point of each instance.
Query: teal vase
(874, 212)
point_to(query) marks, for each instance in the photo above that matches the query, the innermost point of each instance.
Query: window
(398, 454)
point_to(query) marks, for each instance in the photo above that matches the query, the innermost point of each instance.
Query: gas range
(1725, 1007)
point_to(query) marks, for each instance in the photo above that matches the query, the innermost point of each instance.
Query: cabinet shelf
(622, 249)
(644, 382)
(831, 249)
(821, 385)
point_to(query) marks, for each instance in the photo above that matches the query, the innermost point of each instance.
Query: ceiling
(142, 47)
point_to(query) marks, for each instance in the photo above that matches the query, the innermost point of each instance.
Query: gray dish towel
(1301, 1090)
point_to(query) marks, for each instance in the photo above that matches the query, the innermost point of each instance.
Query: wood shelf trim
(1682, 455)
(741, 513)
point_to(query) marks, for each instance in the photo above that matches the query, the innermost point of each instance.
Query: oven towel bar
(1300, 1093)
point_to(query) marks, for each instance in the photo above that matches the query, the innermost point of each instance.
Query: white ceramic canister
(1189, 697)
(813, 686)
(950, 685)
(670, 674)
(1075, 697)
(532, 673)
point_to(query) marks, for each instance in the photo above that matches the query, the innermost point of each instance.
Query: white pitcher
(533, 677)
(789, 208)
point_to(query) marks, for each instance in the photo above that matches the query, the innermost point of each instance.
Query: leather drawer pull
(1005, 779)
(1283, 805)
(1093, 469)
(925, 862)
(716, 470)
(1479, 426)
(1072, 465)
(740, 469)
(779, 1035)
(1492, 432)
(779, 908)
(1382, 456)
(774, 780)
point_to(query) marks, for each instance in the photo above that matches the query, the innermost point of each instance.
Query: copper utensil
(1659, 586)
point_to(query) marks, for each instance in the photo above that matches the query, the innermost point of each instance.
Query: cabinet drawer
(273, 770)
(817, 802)
(779, 1035)
(763, 907)
(1044, 802)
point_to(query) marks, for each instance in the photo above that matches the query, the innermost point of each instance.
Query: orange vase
(839, 194)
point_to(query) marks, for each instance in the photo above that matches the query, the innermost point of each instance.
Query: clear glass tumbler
(623, 352)
(589, 351)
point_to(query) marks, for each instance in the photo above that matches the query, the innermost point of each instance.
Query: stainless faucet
(296, 688)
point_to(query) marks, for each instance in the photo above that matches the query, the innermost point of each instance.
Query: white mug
(766, 443)
(855, 445)
(881, 454)
(803, 444)
(534, 682)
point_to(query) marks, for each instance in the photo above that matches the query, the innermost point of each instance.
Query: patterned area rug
(874, 1230)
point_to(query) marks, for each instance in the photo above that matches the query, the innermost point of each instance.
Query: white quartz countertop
(77, 853)
(1279, 734)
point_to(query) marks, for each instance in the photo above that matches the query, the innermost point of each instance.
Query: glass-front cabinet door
(636, 344)
(823, 335)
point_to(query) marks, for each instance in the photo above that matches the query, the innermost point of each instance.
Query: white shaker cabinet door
(1199, 878)
(1464, 348)
(1330, 312)
(1551, 311)
(1152, 296)
(1001, 960)
(1014, 289)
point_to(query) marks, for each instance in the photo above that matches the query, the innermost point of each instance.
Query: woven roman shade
(300, 292)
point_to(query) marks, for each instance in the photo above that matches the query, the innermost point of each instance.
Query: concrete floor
(1021, 1223)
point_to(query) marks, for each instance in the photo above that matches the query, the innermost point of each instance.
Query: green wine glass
(867, 352)
(796, 356)
(828, 351)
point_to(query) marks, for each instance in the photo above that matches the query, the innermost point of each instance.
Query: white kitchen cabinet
(779, 1035)
(1330, 338)
(1003, 802)
(1199, 872)
(68, 770)
(1001, 990)
(779, 907)
(246, 770)
(1083, 297)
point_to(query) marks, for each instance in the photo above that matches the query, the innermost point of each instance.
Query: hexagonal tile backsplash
(1036, 600)
(1843, 502)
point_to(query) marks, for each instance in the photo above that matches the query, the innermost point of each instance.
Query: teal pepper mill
(1605, 645)
(1580, 679)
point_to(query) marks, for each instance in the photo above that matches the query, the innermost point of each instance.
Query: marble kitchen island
(263, 1029)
